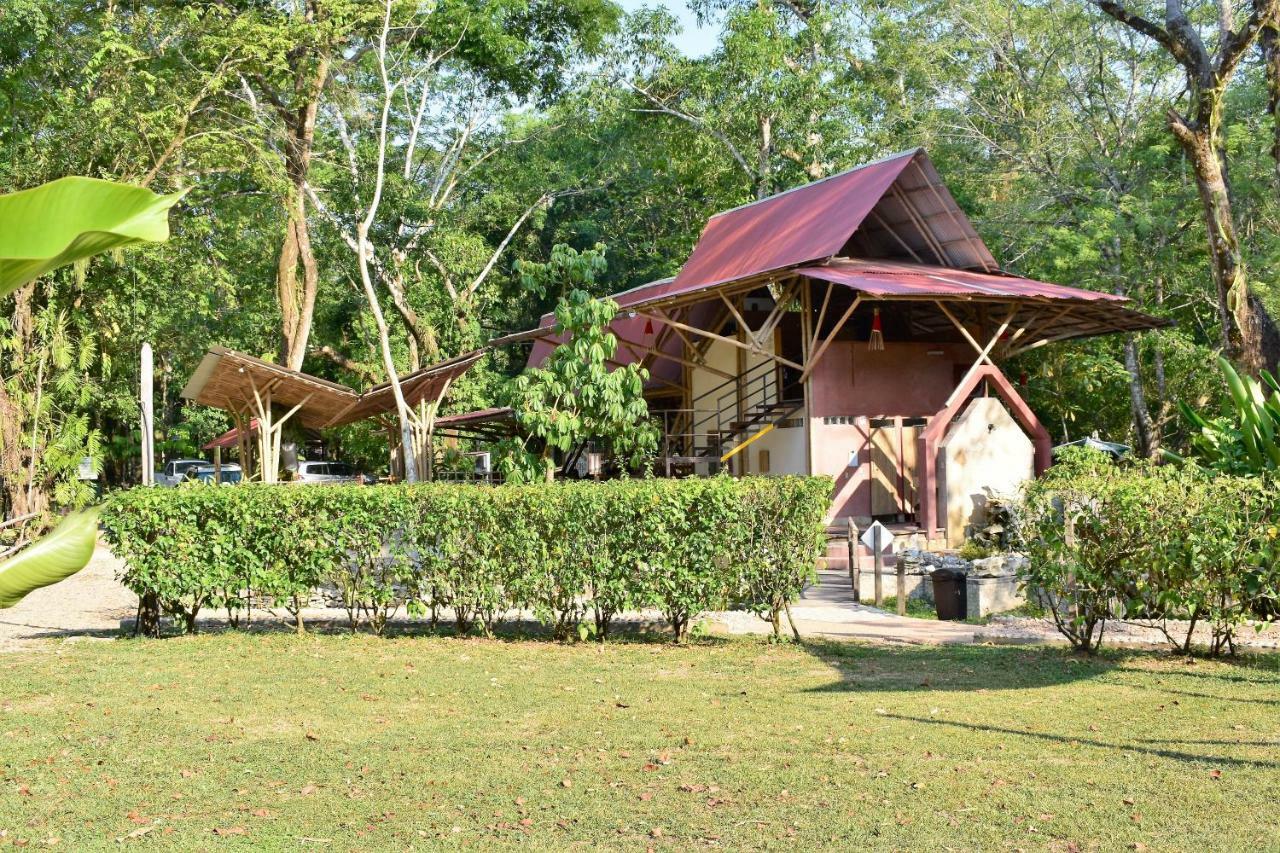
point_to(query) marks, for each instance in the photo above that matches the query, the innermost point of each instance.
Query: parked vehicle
(328, 472)
(231, 474)
(175, 472)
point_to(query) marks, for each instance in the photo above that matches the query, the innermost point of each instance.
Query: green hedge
(576, 554)
(1175, 547)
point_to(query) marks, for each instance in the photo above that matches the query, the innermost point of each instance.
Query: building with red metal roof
(852, 327)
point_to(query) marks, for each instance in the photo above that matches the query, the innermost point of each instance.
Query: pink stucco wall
(853, 382)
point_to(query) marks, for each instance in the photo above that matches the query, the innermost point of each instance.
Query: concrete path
(89, 604)
(92, 603)
(827, 609)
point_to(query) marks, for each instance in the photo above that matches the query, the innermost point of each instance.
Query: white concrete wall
(984, 449)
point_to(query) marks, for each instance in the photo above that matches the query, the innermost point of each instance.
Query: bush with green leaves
(574, 554)
(1173, 547)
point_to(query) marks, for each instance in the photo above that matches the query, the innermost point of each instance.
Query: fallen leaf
(1215, 774)
(137, 833)
(566, 782)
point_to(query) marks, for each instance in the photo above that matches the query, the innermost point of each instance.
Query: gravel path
(87, 605)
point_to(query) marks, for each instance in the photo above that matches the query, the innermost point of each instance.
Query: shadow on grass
(868, 667)
(1132, 747)
(626, 631)
(1197, 695)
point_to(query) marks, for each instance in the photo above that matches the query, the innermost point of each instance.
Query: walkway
(89, 604)
(827, 610)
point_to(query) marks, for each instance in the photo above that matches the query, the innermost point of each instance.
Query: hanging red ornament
(1022, 379)
(877, 333)
(648, 326)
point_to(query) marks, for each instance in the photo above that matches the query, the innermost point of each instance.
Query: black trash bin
(949, 594)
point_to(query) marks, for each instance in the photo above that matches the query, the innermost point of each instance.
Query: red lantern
(877, 333)
(648, 326)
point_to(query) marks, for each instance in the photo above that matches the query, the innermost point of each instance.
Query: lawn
(281, 742)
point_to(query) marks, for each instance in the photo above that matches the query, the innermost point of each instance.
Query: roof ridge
(910, 152)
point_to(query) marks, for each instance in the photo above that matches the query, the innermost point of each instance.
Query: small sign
(886, 538)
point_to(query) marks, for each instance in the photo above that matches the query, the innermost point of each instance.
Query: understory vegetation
(576, 554)
(348, 742)
(1179, 547)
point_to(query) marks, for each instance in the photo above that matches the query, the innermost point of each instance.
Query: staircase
(717, 427)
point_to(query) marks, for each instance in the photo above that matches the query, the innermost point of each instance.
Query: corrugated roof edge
(910, 152)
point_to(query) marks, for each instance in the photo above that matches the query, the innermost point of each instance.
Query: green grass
(917, 608)
(285, 743)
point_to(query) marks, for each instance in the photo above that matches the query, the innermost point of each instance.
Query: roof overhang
(237, 382)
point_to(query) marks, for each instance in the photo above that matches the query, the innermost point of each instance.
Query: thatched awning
(238, 382)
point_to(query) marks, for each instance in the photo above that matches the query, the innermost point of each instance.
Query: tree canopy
(516, 126)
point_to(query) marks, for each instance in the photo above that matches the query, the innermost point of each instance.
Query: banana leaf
(71, 219)
(60, 554)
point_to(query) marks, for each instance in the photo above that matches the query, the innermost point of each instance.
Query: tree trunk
(23, 493)
(297, 303)
(1241, 334)
(1270, 40)
(1148, 441)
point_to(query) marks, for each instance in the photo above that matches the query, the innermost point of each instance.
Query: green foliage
(58, 555)
(1172, 546)
(1245, 439)
(578, 394)
(72, 219)
(561, 550)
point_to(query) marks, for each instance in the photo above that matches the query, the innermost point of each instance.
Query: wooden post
(902, 586)
(879, 563)
(855, 568)
(146, 392)
(217, 465)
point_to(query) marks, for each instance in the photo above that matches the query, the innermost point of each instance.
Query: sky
(694, 40)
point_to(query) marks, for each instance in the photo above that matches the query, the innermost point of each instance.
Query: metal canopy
(897, 207)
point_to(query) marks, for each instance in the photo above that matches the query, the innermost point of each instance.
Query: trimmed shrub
(565, 551)
(1169, 546)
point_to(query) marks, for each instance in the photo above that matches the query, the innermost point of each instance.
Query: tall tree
(1198, 128)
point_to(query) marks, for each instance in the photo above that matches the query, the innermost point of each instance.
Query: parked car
(176, 471)
(328, 472)
(231, 473)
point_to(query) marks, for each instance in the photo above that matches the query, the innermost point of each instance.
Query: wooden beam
(894, 234)
(712, 335)
(822, 348)
(943, 204)
(983, 356)
(919, 222)
(636, 350)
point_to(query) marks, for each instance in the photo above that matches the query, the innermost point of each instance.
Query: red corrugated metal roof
(807, 223)
(890, 279)
(231, 437)
(496, 413)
